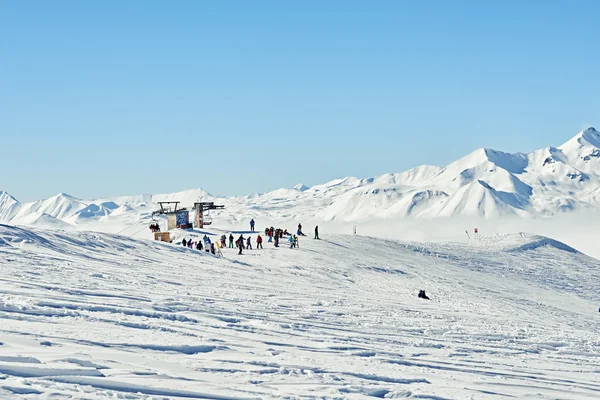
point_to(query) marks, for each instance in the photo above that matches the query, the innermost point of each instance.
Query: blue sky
(102, 98)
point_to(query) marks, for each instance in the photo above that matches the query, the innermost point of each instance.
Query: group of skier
(274, 236)
(205, 243)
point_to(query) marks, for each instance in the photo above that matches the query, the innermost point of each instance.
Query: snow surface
(96, 315)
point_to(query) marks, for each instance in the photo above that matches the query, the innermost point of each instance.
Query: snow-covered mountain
(485, 183)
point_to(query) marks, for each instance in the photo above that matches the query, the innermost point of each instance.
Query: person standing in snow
(276, 241)
(249, 243)
(223, 240)
(199, 245)
(231, 240)
(241, 240)
(252, 225)
(259, 242)
(184, 243)
(291, 240)
(240, 244)
(212, 248)
(317, 232)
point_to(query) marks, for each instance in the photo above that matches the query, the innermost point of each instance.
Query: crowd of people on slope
(274, 235)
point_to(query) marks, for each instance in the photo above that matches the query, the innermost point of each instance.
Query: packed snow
(92, 308)
(95, 315)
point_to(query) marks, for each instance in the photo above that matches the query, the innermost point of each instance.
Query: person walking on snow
(248, 243)
(259, 242)
(291, 242)
(317, 232)
(240, 244)
(252, 225)
(231, 240)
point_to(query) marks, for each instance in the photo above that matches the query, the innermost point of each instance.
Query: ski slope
(96, 316)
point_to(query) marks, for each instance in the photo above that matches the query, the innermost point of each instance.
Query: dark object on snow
(422, 295)
(317, 232)
(184, 243)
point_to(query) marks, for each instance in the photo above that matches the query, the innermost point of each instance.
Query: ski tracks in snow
(94, 316)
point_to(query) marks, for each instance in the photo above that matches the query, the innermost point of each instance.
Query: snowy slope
(95, 316)
(485, 183)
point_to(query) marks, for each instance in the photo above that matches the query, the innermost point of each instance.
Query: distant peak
(301, 187)
(5, 195)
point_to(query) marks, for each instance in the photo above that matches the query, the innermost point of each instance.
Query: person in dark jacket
(184, 243)
(231, 241)
(422, 295)
(252, 225)
(240, 243)
(199, 245)
(317, 232)
(249, 243)
(212, 248)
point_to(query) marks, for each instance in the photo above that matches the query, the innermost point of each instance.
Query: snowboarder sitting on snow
(299, 233)
(422, 295)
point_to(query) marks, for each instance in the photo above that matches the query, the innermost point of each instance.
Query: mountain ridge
(485, 183)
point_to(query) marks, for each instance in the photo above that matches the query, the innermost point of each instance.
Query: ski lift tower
(176, 218)
(202, 213)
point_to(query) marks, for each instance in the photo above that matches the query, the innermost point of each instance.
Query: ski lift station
(180, 217)
(203, 213)
(176, 218)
